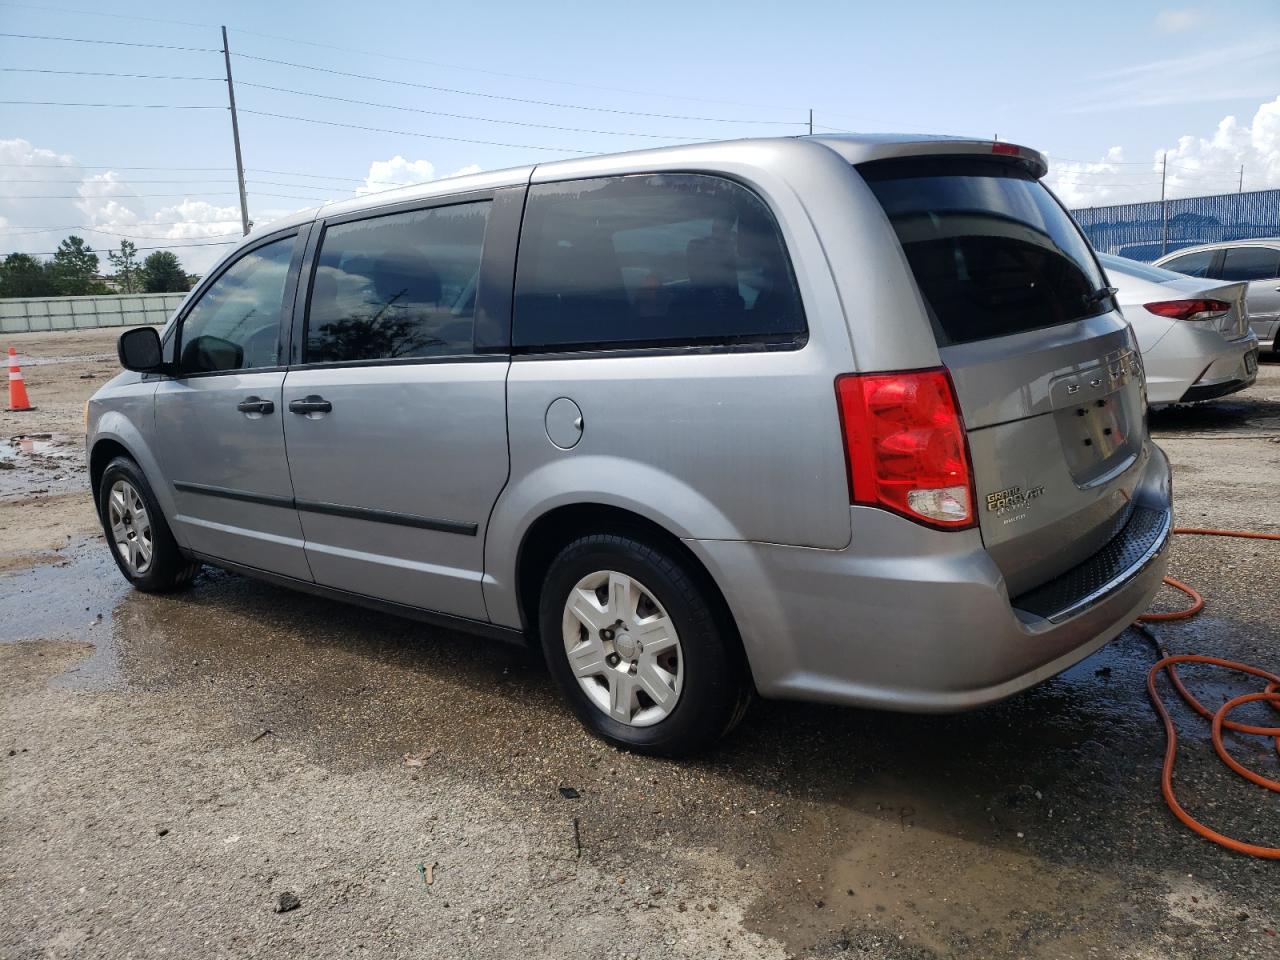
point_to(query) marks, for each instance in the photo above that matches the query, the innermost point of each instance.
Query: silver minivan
(851, 419)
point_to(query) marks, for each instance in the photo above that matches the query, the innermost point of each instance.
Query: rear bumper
(1188, 365)
(907, 618)
(1227, 375)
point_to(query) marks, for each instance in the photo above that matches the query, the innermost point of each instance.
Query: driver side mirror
(139, 350)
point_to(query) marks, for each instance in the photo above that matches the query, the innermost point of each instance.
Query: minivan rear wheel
(140, 539)
(643, 656)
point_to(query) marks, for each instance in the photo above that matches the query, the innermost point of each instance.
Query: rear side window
(1192, 264)
(992, 251)
(651, 261)
(397, 286)
(1250, 263)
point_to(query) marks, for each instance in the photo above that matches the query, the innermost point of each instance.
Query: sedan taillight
(906, 446)
(1189, 309)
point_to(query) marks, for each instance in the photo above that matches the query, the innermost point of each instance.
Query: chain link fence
(1145, 231)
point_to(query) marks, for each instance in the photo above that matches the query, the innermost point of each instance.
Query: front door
(219, 420)
(395, 421)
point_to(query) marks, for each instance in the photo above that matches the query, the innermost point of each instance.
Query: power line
(109, 43)
(411, 133)
(114, 106)
(283, 196)
(321, 176)
(130, 183)
(107, 166)
(408, 83)
(82, 180)
(215, 243)
(463, 116)
(99, 13)
(100, 73)
(125, 236)
(496, 96)
(383, 55)
(114, 166)
(130, 236)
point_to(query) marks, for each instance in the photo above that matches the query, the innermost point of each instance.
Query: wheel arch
(104, 451)
(116, 436)
(558, 527)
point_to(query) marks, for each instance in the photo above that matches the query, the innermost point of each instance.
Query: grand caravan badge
(1012, 498)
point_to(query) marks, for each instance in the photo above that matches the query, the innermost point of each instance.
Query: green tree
(22, 275)
(162, 273)
(128, 272)
(74, 268)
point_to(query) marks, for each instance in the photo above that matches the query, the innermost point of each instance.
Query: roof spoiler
(858, 150)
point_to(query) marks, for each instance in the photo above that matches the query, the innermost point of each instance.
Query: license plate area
(1251, 363)
(1098, 415)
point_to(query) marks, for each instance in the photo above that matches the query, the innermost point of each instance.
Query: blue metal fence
(1137, 230)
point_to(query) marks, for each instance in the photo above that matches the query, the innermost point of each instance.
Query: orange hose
(1270, 695)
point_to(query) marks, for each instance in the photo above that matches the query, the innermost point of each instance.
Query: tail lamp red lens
(1188, 309)
(906, 447)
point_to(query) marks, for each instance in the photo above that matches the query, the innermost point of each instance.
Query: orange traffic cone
(17, 389)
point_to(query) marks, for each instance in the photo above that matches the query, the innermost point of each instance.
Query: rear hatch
(1045, 368)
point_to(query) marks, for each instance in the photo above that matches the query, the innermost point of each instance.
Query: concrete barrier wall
(21, 315)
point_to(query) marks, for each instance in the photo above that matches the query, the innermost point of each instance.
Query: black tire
(168, 568)
(715, 688)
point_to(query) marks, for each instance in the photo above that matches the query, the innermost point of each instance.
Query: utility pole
(235, 134)
(1164, 206)
(1241, 188)
(811, 121)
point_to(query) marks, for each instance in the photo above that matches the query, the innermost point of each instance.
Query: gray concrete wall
(23, 314)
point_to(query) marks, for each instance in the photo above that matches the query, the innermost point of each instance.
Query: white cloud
(399, 172)
(1197, 165)
(1178, 21)
(104, 206)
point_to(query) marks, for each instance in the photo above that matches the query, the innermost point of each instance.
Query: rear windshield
(1143, 271)
(992, 251)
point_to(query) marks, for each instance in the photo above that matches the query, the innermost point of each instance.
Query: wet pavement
(171, 764)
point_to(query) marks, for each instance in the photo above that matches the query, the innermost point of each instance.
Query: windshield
(1143, 271)
(992, 251)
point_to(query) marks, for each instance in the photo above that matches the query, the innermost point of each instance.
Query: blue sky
(1102, 87)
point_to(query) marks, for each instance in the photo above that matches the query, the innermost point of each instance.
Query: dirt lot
(169, 766)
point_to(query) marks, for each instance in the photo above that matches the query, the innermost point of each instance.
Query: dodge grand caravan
(851, 419)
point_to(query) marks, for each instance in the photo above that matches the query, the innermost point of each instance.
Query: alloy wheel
(130, 527)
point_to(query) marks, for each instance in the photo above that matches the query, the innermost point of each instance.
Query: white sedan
(1194, 333)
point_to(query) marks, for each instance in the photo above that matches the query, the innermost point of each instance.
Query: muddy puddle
(40, 463)
(44, 361)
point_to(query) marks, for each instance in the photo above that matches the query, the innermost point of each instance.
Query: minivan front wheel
(644, 658)
(140, 539)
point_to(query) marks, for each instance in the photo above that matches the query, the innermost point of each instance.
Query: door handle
(255, 405)
(310, 404)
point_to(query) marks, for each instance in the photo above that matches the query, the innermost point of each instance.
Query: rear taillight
(1189, 309)
(906, 446)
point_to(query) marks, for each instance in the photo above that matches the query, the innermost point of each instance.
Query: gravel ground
(175, 770)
